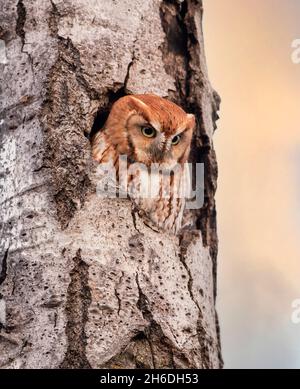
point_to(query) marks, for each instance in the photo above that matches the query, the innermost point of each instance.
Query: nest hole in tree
(104, 110)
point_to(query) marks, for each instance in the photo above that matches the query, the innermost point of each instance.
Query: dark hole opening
(139, 336)
(103, 111)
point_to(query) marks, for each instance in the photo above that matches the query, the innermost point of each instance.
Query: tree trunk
(84, 283)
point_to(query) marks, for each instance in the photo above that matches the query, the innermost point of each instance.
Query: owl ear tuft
(139, 106)
(191, 121)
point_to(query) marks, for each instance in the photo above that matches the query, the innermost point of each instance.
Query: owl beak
(160, 154)
(160, 149)
(157, 154)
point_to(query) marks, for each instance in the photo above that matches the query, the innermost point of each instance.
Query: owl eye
(176, 140)
(149, 132)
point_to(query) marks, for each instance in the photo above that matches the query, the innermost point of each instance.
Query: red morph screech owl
(149, 131)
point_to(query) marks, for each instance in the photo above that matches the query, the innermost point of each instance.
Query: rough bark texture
(84, 283)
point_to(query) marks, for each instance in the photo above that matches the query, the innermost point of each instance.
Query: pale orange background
(248, 49)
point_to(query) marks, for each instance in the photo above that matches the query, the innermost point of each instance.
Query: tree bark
(84, 283)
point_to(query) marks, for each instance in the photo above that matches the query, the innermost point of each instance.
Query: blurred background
(248, 49)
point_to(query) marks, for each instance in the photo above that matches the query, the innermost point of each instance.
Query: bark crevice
(20, 31)
(76, 310)
(117, 294)
(20, 24)
(175, 51)
(74, 173)
(3, 273)
(203, 338)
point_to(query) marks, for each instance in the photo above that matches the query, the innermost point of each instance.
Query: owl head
(150, 129)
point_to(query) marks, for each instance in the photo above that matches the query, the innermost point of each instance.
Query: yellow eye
(149, 132)
(176, 140)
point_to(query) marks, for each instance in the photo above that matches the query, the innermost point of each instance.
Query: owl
(153, 136)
